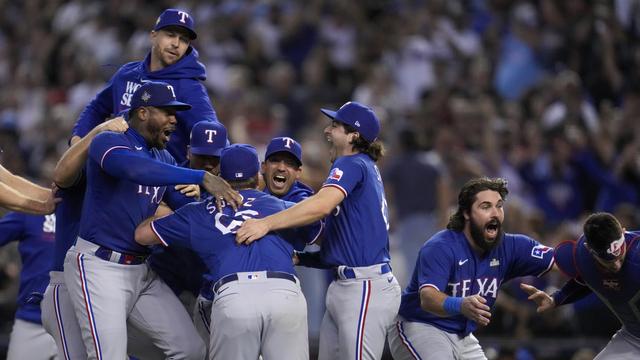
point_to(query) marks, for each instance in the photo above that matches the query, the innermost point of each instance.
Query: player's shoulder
(128, 68)
(564, 255)
(299, 191)
(109, 138)
(164, 156)
(445, 240)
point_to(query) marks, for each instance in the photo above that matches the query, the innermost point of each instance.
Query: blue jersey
(356, 231)
(619, 291)
(447, 263)
(114, 206)
(185, 76)
(211, 234)
(36, 234)
(68, 213)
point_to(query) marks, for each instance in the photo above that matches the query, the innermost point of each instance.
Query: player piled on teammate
(35, 234)
(19, 194)
(259, 307)
(108, 281)
(181, 268)
(457, 276)
(173, 60)
(356, 242)
(605, 260)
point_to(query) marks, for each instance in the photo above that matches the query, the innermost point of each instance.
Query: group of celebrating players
(155, 203)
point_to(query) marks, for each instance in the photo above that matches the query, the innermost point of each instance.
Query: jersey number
(232, 226)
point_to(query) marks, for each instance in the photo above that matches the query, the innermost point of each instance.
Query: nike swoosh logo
(462, 262)
(389, 280)
(138, 147)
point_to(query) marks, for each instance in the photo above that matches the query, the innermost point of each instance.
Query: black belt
(120, 258)
(270, 275)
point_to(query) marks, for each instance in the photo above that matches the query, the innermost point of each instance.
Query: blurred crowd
(545, 93)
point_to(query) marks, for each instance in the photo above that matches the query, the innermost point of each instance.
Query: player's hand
(221, 191)
(48, 206)
(475, 308)
(118, 124)
(541, 298)
(189, 190)
(252, 230)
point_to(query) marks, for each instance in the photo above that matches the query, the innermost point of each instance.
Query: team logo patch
(239, 174)
(612, 284)
(253, 276)
(145, 96)
(495, 262)
(539, 251)
(336, 174)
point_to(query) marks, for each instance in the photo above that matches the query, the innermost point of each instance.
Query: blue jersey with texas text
(185, 76)
(447, 263)
(619, 291)
(356, 230)
(36, 235)
(113, 207)
(211, 234)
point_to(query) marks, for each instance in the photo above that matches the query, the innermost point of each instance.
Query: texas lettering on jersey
(486, 287)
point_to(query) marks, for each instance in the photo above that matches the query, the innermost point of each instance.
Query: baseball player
(173, 60)
(181, 268)
(363, 300)
(457, 276)
(605, 260)
(108, 281)
(258, 305)
(19, 194)
(35, 234)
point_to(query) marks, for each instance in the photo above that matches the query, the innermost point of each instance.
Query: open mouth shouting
(492, 229)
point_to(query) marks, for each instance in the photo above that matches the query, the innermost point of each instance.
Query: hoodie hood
(186, 68)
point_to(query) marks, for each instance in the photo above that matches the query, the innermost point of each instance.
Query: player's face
(161, 122)
(339, 139)
(205, 162)
(280, 171)
(169, 45)
(485, 219)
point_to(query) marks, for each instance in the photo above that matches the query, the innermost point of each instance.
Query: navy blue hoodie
(185, 76)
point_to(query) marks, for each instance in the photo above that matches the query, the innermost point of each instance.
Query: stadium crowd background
(545, 93)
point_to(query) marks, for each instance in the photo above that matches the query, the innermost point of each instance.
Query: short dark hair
(375, 149)
(467, 196)
(600, 230)
(250, 183)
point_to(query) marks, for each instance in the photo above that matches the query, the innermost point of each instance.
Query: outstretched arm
(570, 292)
(23, 186)
(17, 201)
(305, 212)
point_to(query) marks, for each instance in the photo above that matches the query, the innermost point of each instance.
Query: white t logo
(183, 15)
(287, 142)
(172, 92)
(210, 133)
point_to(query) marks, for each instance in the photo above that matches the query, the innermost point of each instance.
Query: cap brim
(192, 34)
(266, 156)
(330, 113)
(179, 106)
(206, 151)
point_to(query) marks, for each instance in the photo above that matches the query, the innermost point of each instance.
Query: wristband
(452, 305)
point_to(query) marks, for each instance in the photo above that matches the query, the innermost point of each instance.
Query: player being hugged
(109, 282)
(363, 300)
(258, 305)
(606, 261)
(457, 276)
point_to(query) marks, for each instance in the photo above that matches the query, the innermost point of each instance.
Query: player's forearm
(145, 235)
(24, 186)
(308, 211)
(570, 292)
(144, 171)
(432, 300)
(70, 164)
(16, 201)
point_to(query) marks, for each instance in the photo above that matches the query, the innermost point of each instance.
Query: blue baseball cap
(156, 94)
(359, 116)
(284, 144)
(208, 138)
(176, 17)
(239, 162)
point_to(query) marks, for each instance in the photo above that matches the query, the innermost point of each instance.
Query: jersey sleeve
(529, 257)
(104, 144)
(302, 236)
(12, 227)
(345, 175)
(563, 255)
(175, 199)
(434, 266)
(175, 229)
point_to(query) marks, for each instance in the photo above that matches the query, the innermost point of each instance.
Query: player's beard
(478, 235)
